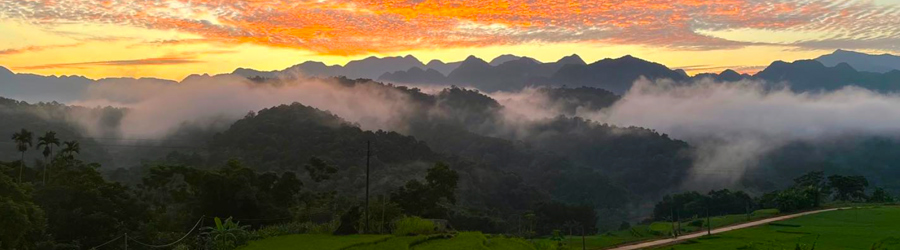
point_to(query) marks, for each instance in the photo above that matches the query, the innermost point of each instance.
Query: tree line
(809, 191)
(75, 207)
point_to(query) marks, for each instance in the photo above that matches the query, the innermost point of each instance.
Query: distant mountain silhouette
(572, 59)
(37, 88)
(509, 75)
(5, 73)
(812, 75)
(725, 76)
(616, 75)
(369, 68)
(863, 62)
(415, 75)
(444, 68)
(506, 58)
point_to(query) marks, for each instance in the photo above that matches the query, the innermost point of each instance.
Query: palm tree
(71, 148)
(23, 141)
(47, 142)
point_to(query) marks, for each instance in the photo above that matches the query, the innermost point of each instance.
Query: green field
(313, 241)
(475, 240)
(462, 241)
(845, 229)
(658, 230)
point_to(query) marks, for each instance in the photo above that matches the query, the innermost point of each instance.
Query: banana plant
(225, 235)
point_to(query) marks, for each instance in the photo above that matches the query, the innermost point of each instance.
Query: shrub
(766, 212)
(295, 228)
(226, 234)
(413, 226)
(696, 223)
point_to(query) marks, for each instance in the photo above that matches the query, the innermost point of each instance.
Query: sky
(171, 39)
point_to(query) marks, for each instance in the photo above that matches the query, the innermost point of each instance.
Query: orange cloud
(35, 48)
(135, 62)
(355, 27)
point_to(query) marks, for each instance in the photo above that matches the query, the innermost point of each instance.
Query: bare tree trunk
(383, 207)
(21, 165)
(51, 161)
(44, 179)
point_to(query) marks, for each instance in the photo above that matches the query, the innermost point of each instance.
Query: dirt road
(662, 242)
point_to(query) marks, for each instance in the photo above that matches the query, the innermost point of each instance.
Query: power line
(175, 242)
(136, 146)
(110, 241)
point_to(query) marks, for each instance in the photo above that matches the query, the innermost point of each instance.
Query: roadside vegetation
(864, 228)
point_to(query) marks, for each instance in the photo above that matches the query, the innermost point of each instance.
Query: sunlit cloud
(35, 48)
(135, 62)
(356, 27)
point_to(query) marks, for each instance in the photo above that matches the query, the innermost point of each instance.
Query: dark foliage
(560, 216)
(349, 222)
(424, 199)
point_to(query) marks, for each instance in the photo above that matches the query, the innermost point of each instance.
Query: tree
(84, 209)
(71, 149)
(815, 184)
(423, 199)
(319, 170)
(881, 196)
(849, 188)
(557, 215)
(18, 215)
(349, 222)
(23, 140)
(47, 142)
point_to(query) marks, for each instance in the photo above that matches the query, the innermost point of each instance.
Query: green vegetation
(397, 243)
(313, 241)
(505, 243)
(293, 173)
(860, 228)
(462, 241)
(413, 225)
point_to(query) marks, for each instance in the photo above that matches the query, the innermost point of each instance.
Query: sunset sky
(173, 38)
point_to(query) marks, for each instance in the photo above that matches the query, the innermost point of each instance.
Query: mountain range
(511, 73)
(863, 62)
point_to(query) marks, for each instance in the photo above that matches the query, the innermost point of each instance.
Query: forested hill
(503, 166)
(59, 118)
(286, 137)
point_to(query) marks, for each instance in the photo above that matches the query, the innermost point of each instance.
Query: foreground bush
(295, 228)
(413, 226)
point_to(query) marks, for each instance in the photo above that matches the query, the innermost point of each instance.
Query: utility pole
(674, 231)
(583, 245)
(368, 155)
(748, 210)
(678, 220)
(708, 224)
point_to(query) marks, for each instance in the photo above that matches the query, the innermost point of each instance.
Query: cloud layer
(734, 124)
(353, 27)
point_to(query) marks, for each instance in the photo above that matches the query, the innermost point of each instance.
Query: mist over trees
(474, 159)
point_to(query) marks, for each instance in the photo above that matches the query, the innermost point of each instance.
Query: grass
(504, 243)
(659, 230)
(409, 226)
(475, 240)
(313, 241)
(844, 229)
(396, 243)
(462, 241)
